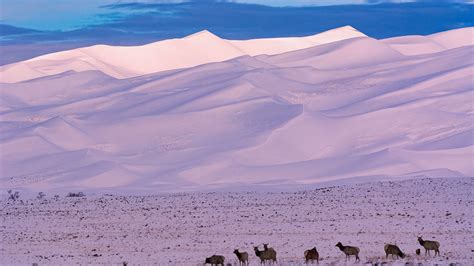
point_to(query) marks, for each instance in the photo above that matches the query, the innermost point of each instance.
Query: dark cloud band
(139, 23)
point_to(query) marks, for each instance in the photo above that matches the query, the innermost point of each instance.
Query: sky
(75, 14)
(70, 14)
(33, 27)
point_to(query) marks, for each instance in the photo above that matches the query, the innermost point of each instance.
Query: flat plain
(184, 228)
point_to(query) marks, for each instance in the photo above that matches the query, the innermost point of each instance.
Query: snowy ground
(184, 228)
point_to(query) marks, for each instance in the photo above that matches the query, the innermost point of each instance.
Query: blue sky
(32, 27)
(74, 14)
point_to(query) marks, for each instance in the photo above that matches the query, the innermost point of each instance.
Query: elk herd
(268, 254)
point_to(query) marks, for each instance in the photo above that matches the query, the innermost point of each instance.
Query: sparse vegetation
(13, 195)
(75, 194)
(40, 195)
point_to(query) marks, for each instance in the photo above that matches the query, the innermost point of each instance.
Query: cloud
(74, 14)
(133, 23)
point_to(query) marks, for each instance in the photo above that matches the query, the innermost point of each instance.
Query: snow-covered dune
(454, 38)
(272, 46)
(413, 45)
(352, 109)
(131, 61)
(126, 61)
(342, 54)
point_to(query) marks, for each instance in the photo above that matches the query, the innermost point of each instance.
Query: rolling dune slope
(413, 45)
(352, 109)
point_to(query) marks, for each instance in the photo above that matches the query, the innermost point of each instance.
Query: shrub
(75, 194)
(13, 195)
(41, 195)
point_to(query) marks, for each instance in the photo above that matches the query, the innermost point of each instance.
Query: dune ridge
(131, 61)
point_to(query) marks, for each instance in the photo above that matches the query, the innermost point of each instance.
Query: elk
(429, 245)
(266, 255)
(215, 260)
(311, 255)
(349, 251)
(393, 250)
(242, 256)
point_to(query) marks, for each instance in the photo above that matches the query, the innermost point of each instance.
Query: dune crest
(131, 61)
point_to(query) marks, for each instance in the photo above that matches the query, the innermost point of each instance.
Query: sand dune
(274, 46)
(357, 107)
(131, 61)
(454, 38)
(414, 45)
(204, 47)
